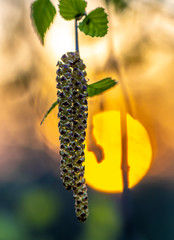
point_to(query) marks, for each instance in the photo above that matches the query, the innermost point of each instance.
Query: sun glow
(106, 176)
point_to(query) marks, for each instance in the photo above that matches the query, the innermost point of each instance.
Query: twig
(76, 36)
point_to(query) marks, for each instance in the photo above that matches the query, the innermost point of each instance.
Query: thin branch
(76, 36)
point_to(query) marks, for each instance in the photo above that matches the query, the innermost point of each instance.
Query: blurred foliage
(43, 210)
(104, 221)
(39, 208)
(153, 212)
(120, 5)
(137, 54)
(9, 227)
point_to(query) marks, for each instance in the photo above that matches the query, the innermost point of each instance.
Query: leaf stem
(76, 37)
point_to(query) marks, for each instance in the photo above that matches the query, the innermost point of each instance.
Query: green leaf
(93, 89)
(42, 15)
(49, 110)
(95, 23)
(71, 9)
(101, 86)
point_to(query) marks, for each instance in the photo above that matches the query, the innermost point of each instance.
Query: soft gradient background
(33, 203)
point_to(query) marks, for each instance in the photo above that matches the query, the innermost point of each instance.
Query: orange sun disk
(107, 175)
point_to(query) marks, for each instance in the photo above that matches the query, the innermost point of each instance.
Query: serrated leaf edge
(86, 16)
(35, 27)
(69, 19)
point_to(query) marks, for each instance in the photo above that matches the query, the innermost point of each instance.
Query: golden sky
(140, 40)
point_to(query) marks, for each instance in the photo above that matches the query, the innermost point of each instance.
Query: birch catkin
(73, 113)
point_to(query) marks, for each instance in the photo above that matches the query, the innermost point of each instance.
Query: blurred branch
(124, 148)
(113, 63)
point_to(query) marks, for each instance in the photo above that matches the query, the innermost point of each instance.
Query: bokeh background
(33, 203)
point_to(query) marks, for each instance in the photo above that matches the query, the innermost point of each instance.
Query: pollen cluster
(73, 113)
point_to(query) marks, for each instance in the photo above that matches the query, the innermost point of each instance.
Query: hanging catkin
(73, 113)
